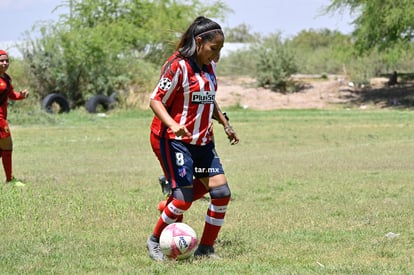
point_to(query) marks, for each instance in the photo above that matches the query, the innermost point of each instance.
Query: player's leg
(199, 191)
(220, 197)
(162, 180)
(211, 174)
(178, 165)
(6, 146)
(6, 154)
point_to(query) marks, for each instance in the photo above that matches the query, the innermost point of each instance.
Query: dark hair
(201, 27)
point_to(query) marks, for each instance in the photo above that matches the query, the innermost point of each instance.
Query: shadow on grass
(400, 95)
(396, 97)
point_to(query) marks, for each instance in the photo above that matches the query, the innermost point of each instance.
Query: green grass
(314, 192)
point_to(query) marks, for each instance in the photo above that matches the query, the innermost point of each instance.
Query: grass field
(314, 192)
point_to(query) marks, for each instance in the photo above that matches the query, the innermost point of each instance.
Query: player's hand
(231, 135)
(210, 127)
(180, 130)
(24, 93)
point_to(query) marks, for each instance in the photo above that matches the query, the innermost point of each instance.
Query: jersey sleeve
(13, 95)
(168, 85)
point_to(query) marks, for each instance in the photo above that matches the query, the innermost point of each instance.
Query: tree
(106, 45)
(241, 34)
(322, 51)
(379, 23)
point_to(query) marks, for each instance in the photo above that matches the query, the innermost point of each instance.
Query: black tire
(114, 97)
(55, 103)
(98, 101)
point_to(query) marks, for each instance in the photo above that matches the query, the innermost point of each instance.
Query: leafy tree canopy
(379, 23)
(241, 34)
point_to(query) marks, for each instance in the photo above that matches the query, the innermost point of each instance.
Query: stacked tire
(100, 103)
(55, 103)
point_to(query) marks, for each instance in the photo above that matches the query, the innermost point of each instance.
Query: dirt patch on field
(316, 94)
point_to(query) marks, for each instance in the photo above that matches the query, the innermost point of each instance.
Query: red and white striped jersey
(188, 94)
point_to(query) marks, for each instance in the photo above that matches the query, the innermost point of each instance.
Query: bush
(275, 64)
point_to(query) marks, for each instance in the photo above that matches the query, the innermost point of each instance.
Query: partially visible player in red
(7, 92)
(184, 101)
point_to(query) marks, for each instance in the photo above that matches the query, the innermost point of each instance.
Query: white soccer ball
(178, 241)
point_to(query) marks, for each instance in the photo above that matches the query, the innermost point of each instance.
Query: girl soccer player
(184, 102)
(7, 92)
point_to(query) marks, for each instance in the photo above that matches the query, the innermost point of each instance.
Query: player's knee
(183, 194)
(222, 191)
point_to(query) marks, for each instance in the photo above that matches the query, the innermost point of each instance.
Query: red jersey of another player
(188, 94)
(7, 92)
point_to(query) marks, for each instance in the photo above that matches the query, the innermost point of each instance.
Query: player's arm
(161, 112)
(158, 98)
(223, 120)
(219, 115)
(18, 95)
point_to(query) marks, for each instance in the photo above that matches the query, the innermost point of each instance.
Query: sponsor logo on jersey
(203, 97)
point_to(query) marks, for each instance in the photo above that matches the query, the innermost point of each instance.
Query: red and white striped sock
(214, 220)
(170, 214)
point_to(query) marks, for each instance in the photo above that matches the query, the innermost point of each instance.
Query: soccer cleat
(205, 251)
(154, 250)
(165, 185)
(16, 182)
